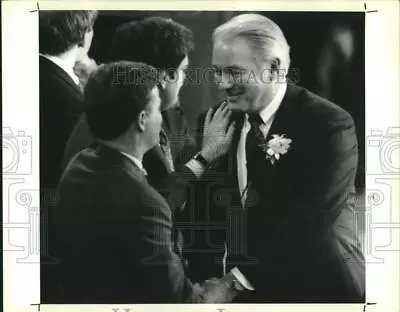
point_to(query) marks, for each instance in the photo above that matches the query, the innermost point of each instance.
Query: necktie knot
(163, 138)
(255, 120)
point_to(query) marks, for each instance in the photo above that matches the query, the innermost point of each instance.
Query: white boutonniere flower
(275, 147)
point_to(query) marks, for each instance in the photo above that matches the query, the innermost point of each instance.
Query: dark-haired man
(112, 230)
(165, 45)
(64, 38)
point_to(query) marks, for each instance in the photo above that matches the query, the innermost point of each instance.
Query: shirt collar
(269, 111)
(136, 161)
(64, 65)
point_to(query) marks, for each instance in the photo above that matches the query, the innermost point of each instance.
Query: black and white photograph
(201, 156)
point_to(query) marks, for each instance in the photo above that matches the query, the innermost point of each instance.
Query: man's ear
(275, 65)
(141, 121)
(275, 71)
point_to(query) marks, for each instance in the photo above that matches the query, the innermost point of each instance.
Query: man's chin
(236, 106)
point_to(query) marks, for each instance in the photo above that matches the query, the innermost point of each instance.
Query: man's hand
(218, 290)
(217, 135)
(83, 68)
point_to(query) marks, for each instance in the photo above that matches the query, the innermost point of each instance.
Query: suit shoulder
(323, 113)
(110, 180)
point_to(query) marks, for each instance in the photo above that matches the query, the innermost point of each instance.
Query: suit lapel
(285, 117)
(284, 123)
(154, 161)
(174, 128)
(239, 118)
(159, 155)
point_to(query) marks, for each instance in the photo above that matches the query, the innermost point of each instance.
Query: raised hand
(217, 135)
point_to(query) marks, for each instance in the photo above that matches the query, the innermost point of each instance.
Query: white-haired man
(289, 174)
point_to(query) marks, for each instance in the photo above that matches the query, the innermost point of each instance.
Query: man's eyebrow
(232, 67)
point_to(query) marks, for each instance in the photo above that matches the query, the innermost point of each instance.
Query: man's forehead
(233, 53)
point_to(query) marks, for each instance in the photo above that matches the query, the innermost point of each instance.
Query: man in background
(64, 39)
(164, 44)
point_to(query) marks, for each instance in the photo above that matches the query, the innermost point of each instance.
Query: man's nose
(225, 82)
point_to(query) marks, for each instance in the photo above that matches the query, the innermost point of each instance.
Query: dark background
(308, 33)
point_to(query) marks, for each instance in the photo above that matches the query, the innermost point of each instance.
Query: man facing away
(111, 230)
(64, 38)
(288, 178)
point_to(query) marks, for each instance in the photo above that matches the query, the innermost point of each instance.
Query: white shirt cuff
(242, 279)
(196, 167)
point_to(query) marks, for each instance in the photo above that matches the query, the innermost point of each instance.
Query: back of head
(59, 31)
(114, 96)
(157, 41)
(266, 38)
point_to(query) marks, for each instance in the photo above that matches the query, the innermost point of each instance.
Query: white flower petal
(270, 152)
(277, 156)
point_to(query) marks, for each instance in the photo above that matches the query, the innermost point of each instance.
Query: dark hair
(157, 41)
(115, 95)
(60, 30)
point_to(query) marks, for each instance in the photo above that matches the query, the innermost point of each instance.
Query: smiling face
(243, 77)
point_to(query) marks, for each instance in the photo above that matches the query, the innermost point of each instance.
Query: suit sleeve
(163, 268)
(319, 195)
(179, 186)
(189, 145)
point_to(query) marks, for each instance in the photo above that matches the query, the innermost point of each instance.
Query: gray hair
(262, 33)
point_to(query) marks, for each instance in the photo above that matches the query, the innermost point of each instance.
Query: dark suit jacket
(296, 239)
(183, 146)
(61, 103)
(113, 233)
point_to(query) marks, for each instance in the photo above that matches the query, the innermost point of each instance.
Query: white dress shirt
(136, 161)
(66, 66)
(267, 115)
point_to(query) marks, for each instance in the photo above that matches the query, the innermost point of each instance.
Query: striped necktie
(166, 149)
